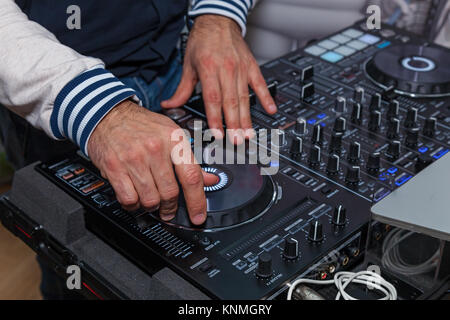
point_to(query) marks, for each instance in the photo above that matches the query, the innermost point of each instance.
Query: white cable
(344, 278)
(392, 259)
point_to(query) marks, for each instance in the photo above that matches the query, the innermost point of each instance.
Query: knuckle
(193, 176)
(128, 200)
(150, 203)
(230, 64)
(232, 103)
(213, 97)
(154, 145)
(170, 193)
(208, 62)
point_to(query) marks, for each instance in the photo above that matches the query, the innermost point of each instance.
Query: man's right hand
(132, 148)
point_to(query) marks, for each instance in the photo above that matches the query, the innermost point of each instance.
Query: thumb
(209, 179)
(184, 90)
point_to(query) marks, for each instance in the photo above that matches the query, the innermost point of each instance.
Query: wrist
(209, 21)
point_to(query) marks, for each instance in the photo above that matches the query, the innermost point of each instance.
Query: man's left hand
(218, 57)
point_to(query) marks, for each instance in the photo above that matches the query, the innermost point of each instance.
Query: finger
(213, 103)
(209, 179)
(191, 180)
(144, 184)
(190, 176)
(230, 104)
(125, 192)
(167, 185)
(184, 89)
(258, 84)
(244, 104)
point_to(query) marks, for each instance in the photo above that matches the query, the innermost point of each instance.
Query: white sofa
(277, 26)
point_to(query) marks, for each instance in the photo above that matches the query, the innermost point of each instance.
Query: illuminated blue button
(323, 124)
(402, 180)
(352, 33)
(384, 44)
(392, 170)
(315, 50)
(369, 39)
(439, 154)
(331, 56)
(328, 44)
(312, 121)
(423, 149)
(274, 164)
(321, 116)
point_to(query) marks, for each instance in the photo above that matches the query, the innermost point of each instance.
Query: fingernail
(218, 134)
(153, 209)
(272, 108)
(168, 217)
(249, 133)
(199, 219)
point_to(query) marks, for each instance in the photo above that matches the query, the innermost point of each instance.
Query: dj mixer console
(360, 113)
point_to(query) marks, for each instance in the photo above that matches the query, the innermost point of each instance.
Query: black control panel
(350, 132)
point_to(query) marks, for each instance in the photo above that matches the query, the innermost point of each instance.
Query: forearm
(48, 83)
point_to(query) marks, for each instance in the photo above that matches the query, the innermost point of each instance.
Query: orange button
(78, 171)
(67, 176)
(93, 186)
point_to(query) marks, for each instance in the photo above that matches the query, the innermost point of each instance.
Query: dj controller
(360, 113)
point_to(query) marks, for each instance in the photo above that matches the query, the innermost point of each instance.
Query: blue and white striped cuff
(83, 102)
(234, 9)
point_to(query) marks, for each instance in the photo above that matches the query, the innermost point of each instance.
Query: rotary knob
(339, 216)
(340, 105)
(353, 175)
(280, 138)
(373, 163)
(358, 95)
(264, 269)
(300, 126)
(429, 127)
(393, 108)
(374, 121)
(393, 128)
(357, 113)
(290, 251)
(314, 156)
(393, 149)
(354, 152)
(411, 118)
(296, 148)
(333, 164)
(412, 137)
(340, 125)
(336, 142)
(317, 135)
(315, 233)
(375, 102)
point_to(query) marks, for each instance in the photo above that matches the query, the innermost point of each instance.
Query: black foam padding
(48, 205)
(167, 285)
(113, 267)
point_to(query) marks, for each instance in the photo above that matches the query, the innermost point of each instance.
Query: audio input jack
(343, 260)
(331, 268)
(353, 251)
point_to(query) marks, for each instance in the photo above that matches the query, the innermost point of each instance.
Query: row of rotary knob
(290, 250)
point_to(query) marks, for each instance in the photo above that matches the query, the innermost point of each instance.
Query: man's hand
(219, 58)
(132, 148)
